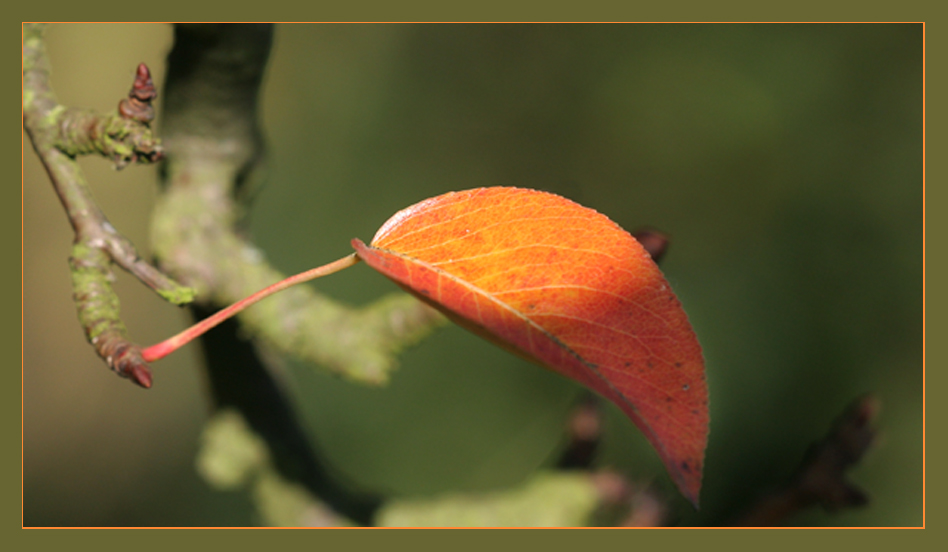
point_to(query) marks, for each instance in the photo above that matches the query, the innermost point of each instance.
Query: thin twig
(58, 135)
(821, 476)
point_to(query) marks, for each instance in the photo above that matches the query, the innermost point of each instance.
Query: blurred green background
(785, 161)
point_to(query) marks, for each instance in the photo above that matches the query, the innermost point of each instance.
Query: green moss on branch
(58, 135)
(214, 148)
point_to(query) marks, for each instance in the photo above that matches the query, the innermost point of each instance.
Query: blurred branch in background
(821, 477)
(59, 134)
(214, 150)
(256, 407)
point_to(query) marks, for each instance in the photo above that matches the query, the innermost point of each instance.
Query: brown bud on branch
(138, 106)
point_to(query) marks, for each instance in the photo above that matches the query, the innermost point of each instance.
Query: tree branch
(214, 150)
(240, 380)
(821, 476)
(58, 135)
(214, 153)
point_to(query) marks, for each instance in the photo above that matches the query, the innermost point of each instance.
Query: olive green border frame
(377, 10)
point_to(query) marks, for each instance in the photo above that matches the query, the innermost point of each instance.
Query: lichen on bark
(214, 149)
(59, 134)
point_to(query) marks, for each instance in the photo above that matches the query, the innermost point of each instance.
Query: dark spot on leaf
(677, 365)
(685, 467)
(685, 387)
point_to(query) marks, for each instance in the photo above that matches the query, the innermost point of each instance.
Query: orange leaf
(566, 287)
